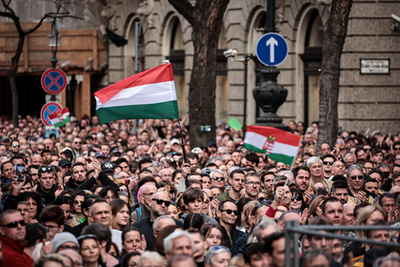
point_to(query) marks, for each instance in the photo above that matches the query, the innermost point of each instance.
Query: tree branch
(185, 8)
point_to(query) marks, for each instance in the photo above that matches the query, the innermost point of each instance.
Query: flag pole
(182, 142)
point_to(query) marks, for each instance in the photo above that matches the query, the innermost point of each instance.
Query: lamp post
(232, 53)
(54, 41)
(270, 96)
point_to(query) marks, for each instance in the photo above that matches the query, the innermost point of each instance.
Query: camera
(231, 53)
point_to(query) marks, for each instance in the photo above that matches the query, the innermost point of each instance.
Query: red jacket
(13, 253)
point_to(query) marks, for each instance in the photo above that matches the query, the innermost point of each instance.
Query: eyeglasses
(160, 202)
(340, 142)
(123, 190)
(254, 183)
(229, 211)
(78, 202)
(296, 198)
(51, 227)
(359, 177)
(108, 197)
(219, 178)
(14, 224)
(328, 163)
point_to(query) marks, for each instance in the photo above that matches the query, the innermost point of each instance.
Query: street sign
(47, 109)
(272, 49)
(54, 81)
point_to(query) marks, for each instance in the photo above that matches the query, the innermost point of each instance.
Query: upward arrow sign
(272, 43)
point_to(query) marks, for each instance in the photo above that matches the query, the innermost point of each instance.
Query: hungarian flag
(146, 95)
(60, 118)
(279, 145)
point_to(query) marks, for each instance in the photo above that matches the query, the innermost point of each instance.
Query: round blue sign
(272, 49)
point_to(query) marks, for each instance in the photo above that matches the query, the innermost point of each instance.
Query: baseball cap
(99, 154)
(174, 141)
(107, 166)
(64, 162)
(196, 150)
(211, 143)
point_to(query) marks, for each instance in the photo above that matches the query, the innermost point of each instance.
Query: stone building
(370, 66)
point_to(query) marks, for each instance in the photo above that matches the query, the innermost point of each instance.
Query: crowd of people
(136, 193)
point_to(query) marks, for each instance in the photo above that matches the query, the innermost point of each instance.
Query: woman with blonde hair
(246, 223)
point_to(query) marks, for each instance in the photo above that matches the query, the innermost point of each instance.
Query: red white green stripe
(59, 119)
(147, 95)
(279, 145)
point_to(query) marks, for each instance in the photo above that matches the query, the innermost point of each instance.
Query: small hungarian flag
(146, 95)
(279, 145)
(60, 118)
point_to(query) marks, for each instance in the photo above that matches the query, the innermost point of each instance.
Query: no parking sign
(54, 81)
(48, 109)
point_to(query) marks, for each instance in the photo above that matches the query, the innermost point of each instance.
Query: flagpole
(182, 142)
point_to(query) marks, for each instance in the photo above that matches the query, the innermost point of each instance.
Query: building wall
(365, 101)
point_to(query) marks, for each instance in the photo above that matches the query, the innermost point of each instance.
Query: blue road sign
(54, 81)
(272, 49)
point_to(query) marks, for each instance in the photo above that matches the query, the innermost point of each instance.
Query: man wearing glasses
(227, 213)
(160, 202)
(252, 185)
(355, 180)
(12, 236)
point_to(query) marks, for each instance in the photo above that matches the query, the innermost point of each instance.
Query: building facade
(370, 84)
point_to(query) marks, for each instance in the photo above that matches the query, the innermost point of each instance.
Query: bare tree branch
(185, 8)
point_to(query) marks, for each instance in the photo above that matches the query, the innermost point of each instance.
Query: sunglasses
(397, 148)
(328, 163)
(160, 202)
(45, 169)
(78, 201)
(14, 224)
(359, 177)
(78, 143)
(15, 146)
(262, 199)
(296, 198)
(123, 190)
(229, 211)
(340, 142)
(219, 178)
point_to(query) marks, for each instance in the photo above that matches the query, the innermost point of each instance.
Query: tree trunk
(13, 82)
(334, 38)
(206, 18)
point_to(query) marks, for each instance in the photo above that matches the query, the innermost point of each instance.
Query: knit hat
(62, 238)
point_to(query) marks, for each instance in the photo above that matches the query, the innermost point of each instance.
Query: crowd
(135, 193)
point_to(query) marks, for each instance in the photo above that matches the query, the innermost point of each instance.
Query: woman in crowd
(78, 216)
(131, 259)
(89, 250)
(212, 234)
(124, 188)
(132, 241)
(218, 256)
(297, 202)
(108, 193)
(120, 214)
(315, 206)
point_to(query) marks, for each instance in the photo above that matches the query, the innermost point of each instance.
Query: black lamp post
(54, 41)
(270, 96)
